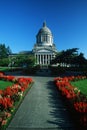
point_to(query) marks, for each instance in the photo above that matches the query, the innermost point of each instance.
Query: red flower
(10, 78)
(8, 91)
(4, 122)
(1, 92)
(6, 102)
(81, 107)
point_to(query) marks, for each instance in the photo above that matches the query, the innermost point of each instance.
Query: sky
(20, 21)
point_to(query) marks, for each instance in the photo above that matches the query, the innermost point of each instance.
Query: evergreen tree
(4, 51)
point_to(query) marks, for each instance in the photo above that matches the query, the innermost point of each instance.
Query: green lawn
(82, 85)
(4, 84)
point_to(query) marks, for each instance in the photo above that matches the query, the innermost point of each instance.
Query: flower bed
(76, 100)
(11, 97)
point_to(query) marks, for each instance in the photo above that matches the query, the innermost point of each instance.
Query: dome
(44, 36)
(44, 29)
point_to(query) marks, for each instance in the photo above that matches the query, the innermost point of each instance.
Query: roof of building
(45, 29)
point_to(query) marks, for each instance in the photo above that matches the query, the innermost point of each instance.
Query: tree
(4, 51)
(70, 57)
(24, 60)
(4, 62)
(80, 60)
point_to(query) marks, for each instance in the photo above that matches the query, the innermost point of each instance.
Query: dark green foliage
(15, 97)
(4, 62)
(70, 57)
(57, 70)
(4, 51)
(22, 60)
(31, 69)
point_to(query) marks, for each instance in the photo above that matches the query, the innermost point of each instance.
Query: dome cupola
(45, 29)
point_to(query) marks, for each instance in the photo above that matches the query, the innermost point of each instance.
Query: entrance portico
(43, 58)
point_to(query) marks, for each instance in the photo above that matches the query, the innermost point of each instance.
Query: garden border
(27, 84)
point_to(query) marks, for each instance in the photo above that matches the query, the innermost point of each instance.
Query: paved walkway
(42, 108)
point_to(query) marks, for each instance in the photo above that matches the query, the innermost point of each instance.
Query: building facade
(44, 48)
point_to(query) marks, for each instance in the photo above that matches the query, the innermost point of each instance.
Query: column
(40, 59)
(43, 59)
(37, 59)
(46, 59)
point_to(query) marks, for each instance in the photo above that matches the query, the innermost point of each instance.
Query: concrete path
(42, 108)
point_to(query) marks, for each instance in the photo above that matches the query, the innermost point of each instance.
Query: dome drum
(44, 39)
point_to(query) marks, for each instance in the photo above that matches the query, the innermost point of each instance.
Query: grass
(5, 84)
(4, 68)
(81, 85)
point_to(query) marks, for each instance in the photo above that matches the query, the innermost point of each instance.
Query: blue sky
(20, 21)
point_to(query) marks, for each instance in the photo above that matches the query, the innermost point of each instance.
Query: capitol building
(44, 49)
